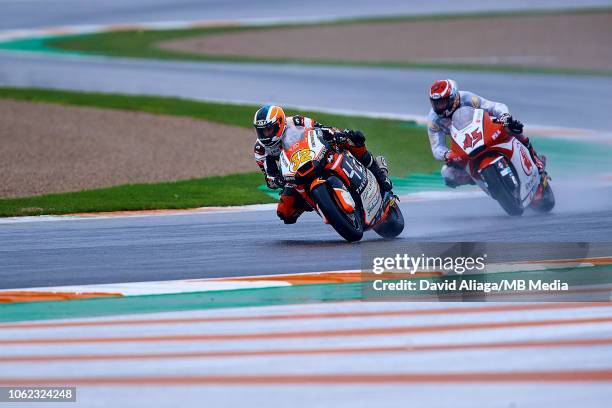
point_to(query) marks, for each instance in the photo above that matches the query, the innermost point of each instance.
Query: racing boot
(290, 206)
(540, 162)
(378, 167)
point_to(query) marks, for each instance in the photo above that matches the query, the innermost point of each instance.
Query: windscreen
(463, 117)
(291, 138)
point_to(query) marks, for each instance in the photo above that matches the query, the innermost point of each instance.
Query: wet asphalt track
(207, 245)
(54, 253)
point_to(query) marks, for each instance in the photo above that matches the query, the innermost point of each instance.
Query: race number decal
(300, 157)
(349, 168)
(472, 139)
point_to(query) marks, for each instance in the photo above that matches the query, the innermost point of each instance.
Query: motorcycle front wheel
(349, 226)
(501, 191)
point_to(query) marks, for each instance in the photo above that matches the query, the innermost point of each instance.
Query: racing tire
(500, 191)
(546, 203)
(393, 225)
(350, 229)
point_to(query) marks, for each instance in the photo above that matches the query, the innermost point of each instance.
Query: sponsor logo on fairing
(526, 161)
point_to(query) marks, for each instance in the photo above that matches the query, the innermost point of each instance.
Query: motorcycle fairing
(483, 143)
(363, 182)
(526, 170)
(470, 139)
(301, 151)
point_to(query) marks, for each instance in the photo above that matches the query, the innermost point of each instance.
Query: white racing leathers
(438, 128)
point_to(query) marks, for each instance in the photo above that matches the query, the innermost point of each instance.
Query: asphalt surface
(554, 100)
(20, 14)
(70, 252)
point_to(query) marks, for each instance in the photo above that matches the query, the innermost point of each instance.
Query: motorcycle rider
(271, 125)
(445, 99)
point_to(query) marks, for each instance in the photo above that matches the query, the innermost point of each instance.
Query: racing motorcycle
(498, 162)
(338, 187)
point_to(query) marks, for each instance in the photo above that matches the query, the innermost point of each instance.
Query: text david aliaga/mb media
(404, 263)
(470, 285)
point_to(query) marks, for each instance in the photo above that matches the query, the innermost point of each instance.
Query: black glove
(515, 127)
(355, 136)
(512, 124)
(332, 135)
(275, 182)
(280, 181)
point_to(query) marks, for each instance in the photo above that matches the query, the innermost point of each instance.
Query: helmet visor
(441, 105)
(267, 134)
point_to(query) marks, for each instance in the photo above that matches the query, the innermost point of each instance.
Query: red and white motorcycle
(498, 162)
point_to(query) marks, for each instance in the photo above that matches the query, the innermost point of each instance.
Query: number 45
(471, 139)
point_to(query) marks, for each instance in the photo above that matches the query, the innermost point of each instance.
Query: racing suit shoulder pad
(470, 99)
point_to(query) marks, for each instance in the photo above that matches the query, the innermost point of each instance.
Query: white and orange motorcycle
(338, 187)
(499, 163)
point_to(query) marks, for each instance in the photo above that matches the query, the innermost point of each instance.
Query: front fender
(488, 160)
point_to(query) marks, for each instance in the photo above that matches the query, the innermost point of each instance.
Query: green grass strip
(235, 189)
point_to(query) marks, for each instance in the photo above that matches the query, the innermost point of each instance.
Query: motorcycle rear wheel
(547, 202)
(393, 225)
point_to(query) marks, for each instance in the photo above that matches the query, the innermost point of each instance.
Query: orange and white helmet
(444, 97)
(269, 122)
